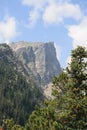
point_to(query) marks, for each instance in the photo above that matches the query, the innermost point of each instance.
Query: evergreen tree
(44, 118)
(73, 103)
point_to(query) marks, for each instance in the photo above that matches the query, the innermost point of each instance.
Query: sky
(63, 22)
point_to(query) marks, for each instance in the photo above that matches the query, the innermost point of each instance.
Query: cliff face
(39, 60)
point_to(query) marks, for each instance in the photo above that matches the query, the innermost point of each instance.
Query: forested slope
(17, 97)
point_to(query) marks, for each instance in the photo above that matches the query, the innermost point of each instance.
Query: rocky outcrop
(39, 60)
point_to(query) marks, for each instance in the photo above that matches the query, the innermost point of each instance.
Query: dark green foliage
(44, 118)
(17, 97)
(72, 99)
(10, 125)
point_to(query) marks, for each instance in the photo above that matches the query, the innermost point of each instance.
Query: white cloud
(79, 33)
(52, 11)
(34, 3)
(33, 17)
(37, 6)
(8, 29)
(56, 12)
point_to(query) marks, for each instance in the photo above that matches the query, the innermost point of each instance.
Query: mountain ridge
(40, 58)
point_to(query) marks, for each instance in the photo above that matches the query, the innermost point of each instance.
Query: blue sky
(63, 22)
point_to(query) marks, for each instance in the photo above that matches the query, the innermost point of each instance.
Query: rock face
(39, 60)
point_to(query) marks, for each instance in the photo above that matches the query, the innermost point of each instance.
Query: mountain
(25, 69)
(17, 96)
(39, 61)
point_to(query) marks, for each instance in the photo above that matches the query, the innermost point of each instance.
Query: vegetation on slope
(17, 97)
(68, 110)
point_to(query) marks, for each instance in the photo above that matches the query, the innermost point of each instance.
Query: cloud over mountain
(8, 29)
(56, 12)
(52, 11)
(78, 33)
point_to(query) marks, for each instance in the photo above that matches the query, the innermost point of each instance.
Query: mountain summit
(39, 60)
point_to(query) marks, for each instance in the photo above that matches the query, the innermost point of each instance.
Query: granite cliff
(39, 61)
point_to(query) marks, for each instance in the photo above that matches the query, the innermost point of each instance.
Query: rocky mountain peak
(39, 60)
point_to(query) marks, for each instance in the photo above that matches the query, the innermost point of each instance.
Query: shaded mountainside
(39, 61)
(17, 97)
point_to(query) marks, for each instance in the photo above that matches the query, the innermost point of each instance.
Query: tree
(44, 118)
(9, 123)
(72, 103)
(17, 127)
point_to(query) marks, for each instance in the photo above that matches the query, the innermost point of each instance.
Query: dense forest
(17, 97)
(66, 111)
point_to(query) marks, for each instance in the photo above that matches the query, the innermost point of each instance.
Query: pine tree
(73, 103)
